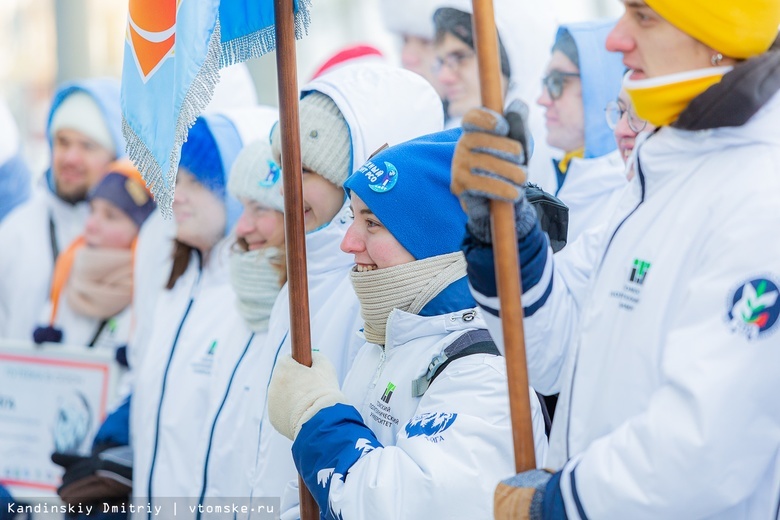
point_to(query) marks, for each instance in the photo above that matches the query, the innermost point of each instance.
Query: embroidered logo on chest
(203, 364)
(380, 410)
(629, 297)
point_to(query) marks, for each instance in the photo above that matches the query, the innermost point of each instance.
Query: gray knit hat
(326, 147)
(257, 176)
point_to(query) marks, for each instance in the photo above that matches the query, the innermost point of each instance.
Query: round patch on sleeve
(754, 308)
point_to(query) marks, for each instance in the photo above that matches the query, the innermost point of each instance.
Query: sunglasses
(555, 81)
(615, 111)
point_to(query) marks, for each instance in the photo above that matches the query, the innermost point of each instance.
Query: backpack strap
(472, 342)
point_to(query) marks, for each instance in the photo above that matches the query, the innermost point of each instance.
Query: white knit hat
(326, 147)
(80, 112)
(257, 176)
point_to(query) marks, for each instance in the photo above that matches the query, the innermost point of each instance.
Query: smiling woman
(393, 432)
(92, 285)
(257, 262)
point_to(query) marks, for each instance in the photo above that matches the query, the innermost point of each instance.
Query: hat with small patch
(407, 187)
(257, 176)
(124, 187)
(326, 147)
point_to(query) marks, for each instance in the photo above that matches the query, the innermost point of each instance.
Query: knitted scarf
(256, 284)
(101, 281)
(408, 287)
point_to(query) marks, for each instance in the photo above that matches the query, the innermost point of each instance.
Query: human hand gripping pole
(298, 392)
(503, 233)
(489, 165)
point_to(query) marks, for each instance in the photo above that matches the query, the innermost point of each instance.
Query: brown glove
(489, 165)
(486, 162)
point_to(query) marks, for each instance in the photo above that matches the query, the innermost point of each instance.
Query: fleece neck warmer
(407, 287)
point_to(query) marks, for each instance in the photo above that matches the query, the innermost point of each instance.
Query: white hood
(381, 104)
(413, 17)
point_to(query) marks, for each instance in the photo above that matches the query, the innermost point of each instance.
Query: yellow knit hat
(736, 28)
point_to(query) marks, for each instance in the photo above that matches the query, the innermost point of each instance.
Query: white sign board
(52, 398)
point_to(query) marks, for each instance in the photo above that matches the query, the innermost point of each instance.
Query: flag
(173, 52)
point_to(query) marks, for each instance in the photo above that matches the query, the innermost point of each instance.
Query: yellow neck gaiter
(660, 101)
(563, 165)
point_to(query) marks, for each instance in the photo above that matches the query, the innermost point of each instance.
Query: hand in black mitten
(105, 475)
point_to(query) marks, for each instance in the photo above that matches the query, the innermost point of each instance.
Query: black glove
(106, 475)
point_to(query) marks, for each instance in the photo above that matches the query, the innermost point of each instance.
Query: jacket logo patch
(388, 392)
(639, 271)
(203, 364)
(630, 295)
(754, 308)
(430, 425)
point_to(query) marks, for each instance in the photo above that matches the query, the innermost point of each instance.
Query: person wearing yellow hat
(658, 328)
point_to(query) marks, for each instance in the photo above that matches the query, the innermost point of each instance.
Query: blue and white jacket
(29, 231)
(393, 455)
(334, 309)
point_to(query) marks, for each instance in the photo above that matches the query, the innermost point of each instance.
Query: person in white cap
(84, 130)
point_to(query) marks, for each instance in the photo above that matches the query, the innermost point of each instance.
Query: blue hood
(14, 184)
(105, 92)
(602, 77)
(229, 143)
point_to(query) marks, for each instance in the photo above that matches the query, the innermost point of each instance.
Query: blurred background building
(45, 42)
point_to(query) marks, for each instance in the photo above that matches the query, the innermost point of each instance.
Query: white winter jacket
(440, 455)
(381, 105)
(591, 191)
(174, 382)
(78, 329)
(334, 314)
(660, 332)
(27, 258)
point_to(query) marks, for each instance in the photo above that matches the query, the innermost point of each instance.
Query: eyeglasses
(615, 111)
(453, 61)
(555, 81)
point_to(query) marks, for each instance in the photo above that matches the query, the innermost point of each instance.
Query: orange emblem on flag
(152, 29)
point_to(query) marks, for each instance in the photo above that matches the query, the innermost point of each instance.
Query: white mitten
(298, 392)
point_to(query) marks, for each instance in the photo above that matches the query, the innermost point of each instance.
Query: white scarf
(256, 284)
(408, 287)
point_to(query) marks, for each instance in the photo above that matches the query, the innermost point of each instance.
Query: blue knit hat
(211, 147)
(124, 187)
(407, 187)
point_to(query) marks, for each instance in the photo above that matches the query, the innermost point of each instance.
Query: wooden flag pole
(507, 263)
(294, 228)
